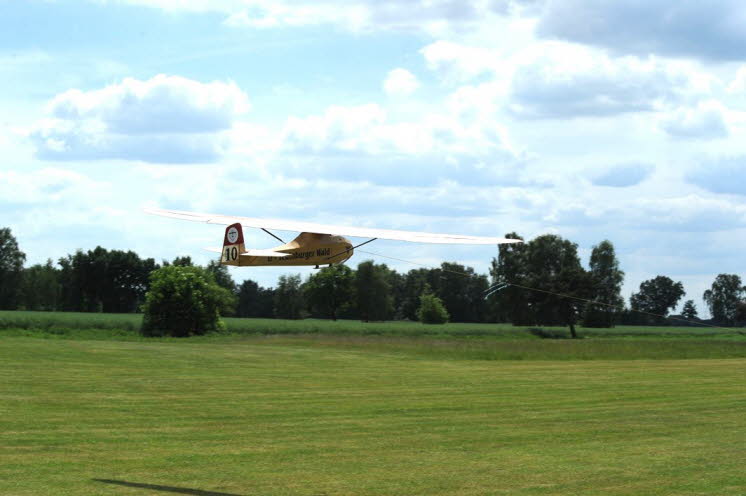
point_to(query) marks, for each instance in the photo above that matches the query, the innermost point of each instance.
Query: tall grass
(65, 321)
(126, 326)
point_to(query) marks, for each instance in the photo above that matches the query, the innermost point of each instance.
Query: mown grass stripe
(293, 416)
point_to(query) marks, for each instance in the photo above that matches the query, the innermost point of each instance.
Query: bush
(431, 310)
(183, 301)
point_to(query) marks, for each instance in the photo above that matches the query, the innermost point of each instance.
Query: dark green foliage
(330, 291)
(224, 280)
(185, 261)
(552, 266)
(606, 280)
(431, 309)
(461, 290)
(41, 288)
(413, 285)
(289, 302)
(104, 281)
(459, 287)
(689, 311)
(655, 298)
(11, 266)
(396, 283)
(374, 299)
(182, 301)
(254, 300)
(741, 312)
(723, 298)
(509, 305)
(221, 275)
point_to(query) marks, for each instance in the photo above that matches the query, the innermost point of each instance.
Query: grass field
(332, 412)
(62, 323)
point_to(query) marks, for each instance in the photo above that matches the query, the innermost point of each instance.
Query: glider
(317, 244)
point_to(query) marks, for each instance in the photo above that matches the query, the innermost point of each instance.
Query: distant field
(63, 322)
(450, 341)
(365, 415)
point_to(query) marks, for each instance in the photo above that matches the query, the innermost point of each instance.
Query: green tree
(723, 297)
(462, 291)
(127, 278)
(288, 297)
(558, 281)
(657, 296)
(11, 267)
(395, 282)
(374, 299)
(510, 304)
(224, 280)
(40, 288)
(689, 312)
(71, 299)
(330, 291)
(100, 280)
(431, 310)
(413, 285)
(221, 275)
(741, 312)
(182, 301)
(185, 261)
(254, 300)
(606, 281)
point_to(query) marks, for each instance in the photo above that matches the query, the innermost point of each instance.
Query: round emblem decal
(232, 235)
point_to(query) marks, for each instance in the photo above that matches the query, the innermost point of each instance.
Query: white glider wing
(358, 232)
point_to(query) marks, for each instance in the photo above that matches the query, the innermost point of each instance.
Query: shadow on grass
(167, 489)
(549, 333)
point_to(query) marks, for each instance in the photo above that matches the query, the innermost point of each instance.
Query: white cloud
(47, 186)
(704, 121)
(362, 144)
(431, 16)
(558, 79)
(693, 213)
(720, 175)
(708, 30)
(60, 140)
(562, 80)
(623, 175)
(690, 213)
(400, 82)
(457, 63)
(339, 128)
(166, 119)
(478, 103)
(516, 7)
(271, 14)
(738, 85)
(162, 104)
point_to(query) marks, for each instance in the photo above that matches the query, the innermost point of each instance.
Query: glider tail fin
(233, 245)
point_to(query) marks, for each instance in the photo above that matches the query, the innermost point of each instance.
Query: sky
(590, 119)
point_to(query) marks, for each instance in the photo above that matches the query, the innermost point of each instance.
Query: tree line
(540, 282)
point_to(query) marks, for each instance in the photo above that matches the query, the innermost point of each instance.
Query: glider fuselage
(306, 249)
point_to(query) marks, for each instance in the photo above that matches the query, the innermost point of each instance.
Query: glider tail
(233, 245)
